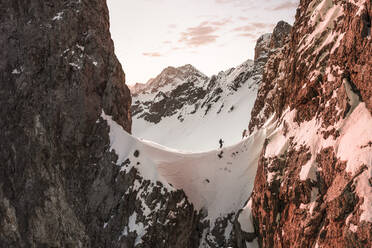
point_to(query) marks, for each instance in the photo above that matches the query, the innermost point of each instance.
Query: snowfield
(226, 119)
(219, 181)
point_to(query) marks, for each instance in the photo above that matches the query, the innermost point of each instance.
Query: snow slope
(223, 115)
(219, 181)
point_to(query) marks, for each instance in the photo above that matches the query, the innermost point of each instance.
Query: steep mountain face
(137, 87)
(170, 77)
(166, 94)
(72, 175)
(193, 107)
(60, 184)
(313, 184)
(210, 180)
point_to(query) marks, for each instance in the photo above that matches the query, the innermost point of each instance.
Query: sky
(212, 35)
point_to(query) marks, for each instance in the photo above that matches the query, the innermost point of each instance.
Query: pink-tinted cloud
(253, 29)
(245, 28)
(200, 35)
(249, 35)
(236, 2)
(153, 54)
(261, 25)
(221, 22)
(226, 1)
(254, 26)
(243, 18)
(167, 42)
(285, 5)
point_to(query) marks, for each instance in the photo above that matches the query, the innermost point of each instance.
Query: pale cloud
(243, 18)
(245, 28)
(236, 2)
(152, 54)
(220, 23)
(249, 35)
(261, 25)
(253, 29)
(254, 26)
(226, 1)
(285, 6)
(240, 4)
(202, 34)
(169, 31)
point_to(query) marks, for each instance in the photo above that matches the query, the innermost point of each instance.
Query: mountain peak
(280, 33)
(170, 76)
(262, 47)
(270, 41)
(187, 66)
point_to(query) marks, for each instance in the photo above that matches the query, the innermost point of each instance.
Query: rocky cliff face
(170, 78)
(60, 185)
(70, 176)
(313, 184)
(168, 92)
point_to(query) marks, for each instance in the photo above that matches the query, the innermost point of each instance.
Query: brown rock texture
(315, 60)
(309, 191)
(60, 185)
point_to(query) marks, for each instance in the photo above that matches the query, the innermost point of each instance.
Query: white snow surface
(133, 226)
(16, 71)
(219, 185)
(58, 16)
(245, 218)
(353, 146)
(226, 119)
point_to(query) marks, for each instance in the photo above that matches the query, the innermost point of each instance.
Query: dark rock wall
(59, 183)
(58, 71)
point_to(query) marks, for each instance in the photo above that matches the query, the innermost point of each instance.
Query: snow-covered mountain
(188, 106)
(169, 78)
(217, 183)
(206, 109)
(72, 175)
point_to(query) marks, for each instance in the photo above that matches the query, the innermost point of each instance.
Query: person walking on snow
(221, 143)
(244, 133)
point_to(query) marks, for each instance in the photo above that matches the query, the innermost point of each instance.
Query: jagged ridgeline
(190, 106)
(72, 175)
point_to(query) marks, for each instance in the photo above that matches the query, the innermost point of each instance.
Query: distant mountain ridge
(72, 175)
(211, 108)
(170, 75)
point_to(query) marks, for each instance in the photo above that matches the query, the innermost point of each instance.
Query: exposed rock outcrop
(60, 185)
(312, 187)
(166, 94)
